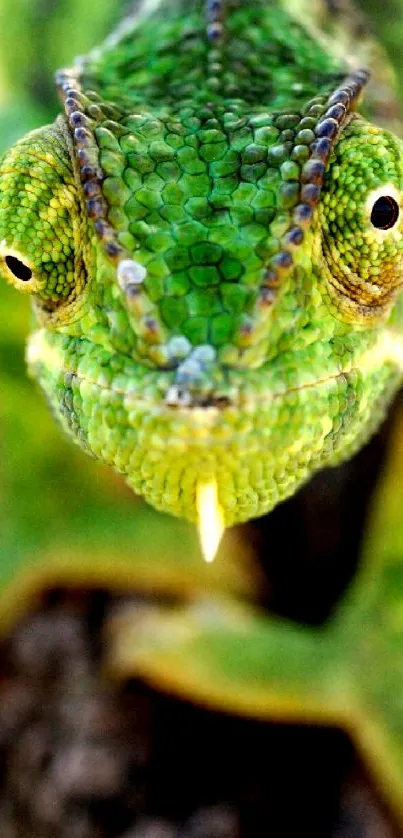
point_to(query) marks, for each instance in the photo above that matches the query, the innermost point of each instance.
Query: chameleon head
(214, 340)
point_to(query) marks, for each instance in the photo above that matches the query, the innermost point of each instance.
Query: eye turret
(361, 221)
(40, 219)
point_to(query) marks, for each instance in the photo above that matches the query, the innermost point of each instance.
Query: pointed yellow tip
(210, 519)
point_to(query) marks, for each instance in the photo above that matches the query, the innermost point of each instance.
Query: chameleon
(211, 236)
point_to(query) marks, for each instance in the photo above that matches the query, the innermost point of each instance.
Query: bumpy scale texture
(214, 297)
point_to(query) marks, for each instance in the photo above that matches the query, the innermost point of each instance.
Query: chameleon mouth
(246, 388)
(156, 391)
(249, 391)
(279, 427)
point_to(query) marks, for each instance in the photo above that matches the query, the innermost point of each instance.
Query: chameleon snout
(166, 431)
(196, 377)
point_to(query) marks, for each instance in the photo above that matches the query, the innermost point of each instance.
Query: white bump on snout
(130, 273)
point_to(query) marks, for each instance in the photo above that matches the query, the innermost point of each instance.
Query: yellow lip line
(388, 348)
(259, 399)
(52, 356)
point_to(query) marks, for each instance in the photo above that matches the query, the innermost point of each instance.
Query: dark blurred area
(82, 758)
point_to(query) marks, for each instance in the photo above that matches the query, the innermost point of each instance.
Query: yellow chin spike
(210, 519)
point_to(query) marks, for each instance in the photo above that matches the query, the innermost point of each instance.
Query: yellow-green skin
(211, 298)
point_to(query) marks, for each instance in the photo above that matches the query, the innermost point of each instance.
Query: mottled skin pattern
(250, 340)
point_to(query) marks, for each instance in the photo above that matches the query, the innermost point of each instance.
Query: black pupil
(18, 268)
(385, 213)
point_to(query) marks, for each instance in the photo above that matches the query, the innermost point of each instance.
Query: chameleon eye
(18, 268)
(385, 213)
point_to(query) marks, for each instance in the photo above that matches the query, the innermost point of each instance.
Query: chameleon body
(212, 299)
